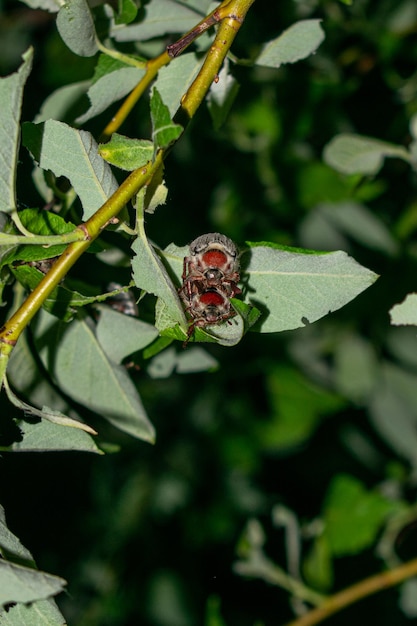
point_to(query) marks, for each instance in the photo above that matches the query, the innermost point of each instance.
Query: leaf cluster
(282, 158)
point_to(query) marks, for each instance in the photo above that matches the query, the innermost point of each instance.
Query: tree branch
(357, 592)
(231, 13)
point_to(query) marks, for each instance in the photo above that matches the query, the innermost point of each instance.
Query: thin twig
(356, 592)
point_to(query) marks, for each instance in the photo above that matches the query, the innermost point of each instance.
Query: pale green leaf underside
(405, 313)
(109, 89)
(40, 613)
(120, 335)
(296, 43)
(294, 289)
(24, 584)
(10, 544)
(360, 224)
(162, 17)
(354, 154)
(76, 27)
(23, 372)
(11, 93)
(73, 154)
(46, 5)
(194, 359)
(150, 274)
(174, 79)
(393, 410)
(46, 436)
(81, 368)
(52, 415)
(57, 105)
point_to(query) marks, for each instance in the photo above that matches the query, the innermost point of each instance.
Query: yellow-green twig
(41, 240)
(357, 592)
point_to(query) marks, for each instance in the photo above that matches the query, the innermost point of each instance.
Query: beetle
(206, 307)
(213, 261)
(210, 276)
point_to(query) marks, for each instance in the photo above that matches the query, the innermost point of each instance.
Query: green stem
(41, 240)
(152, 68)
(232, 10)
(259, 566)
(231, 15)
(119, 56)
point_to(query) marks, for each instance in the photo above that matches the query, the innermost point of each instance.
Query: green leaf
(54, 416)
(296, 43)
(7, 227)
(106, 65)
(83, 371)
(250, 314)
(42, 223)
(61, 302)
(127, 12)
(195, 359)
(161, 18)
(150, 274)
(356, 222)
(10, 546)
(393, 411)
(213, 614)
(164, 131)
(354, 154)
(190, 361)
(174, 79)
(11, 94)
(23, 373)
(60, 102)
(80, 162)
(221, 96)
(126, 153)
(47, 5)
(405, 313)
(353, 515)
(20, 581)
(156, 347)
(293, 289)
(356, 368)
(76, 27)
(23, 584)
(298, 408)
(45, 436)
(109, 89)
(40, 613)
(120, 335)
(408, 600)
(317, 566)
